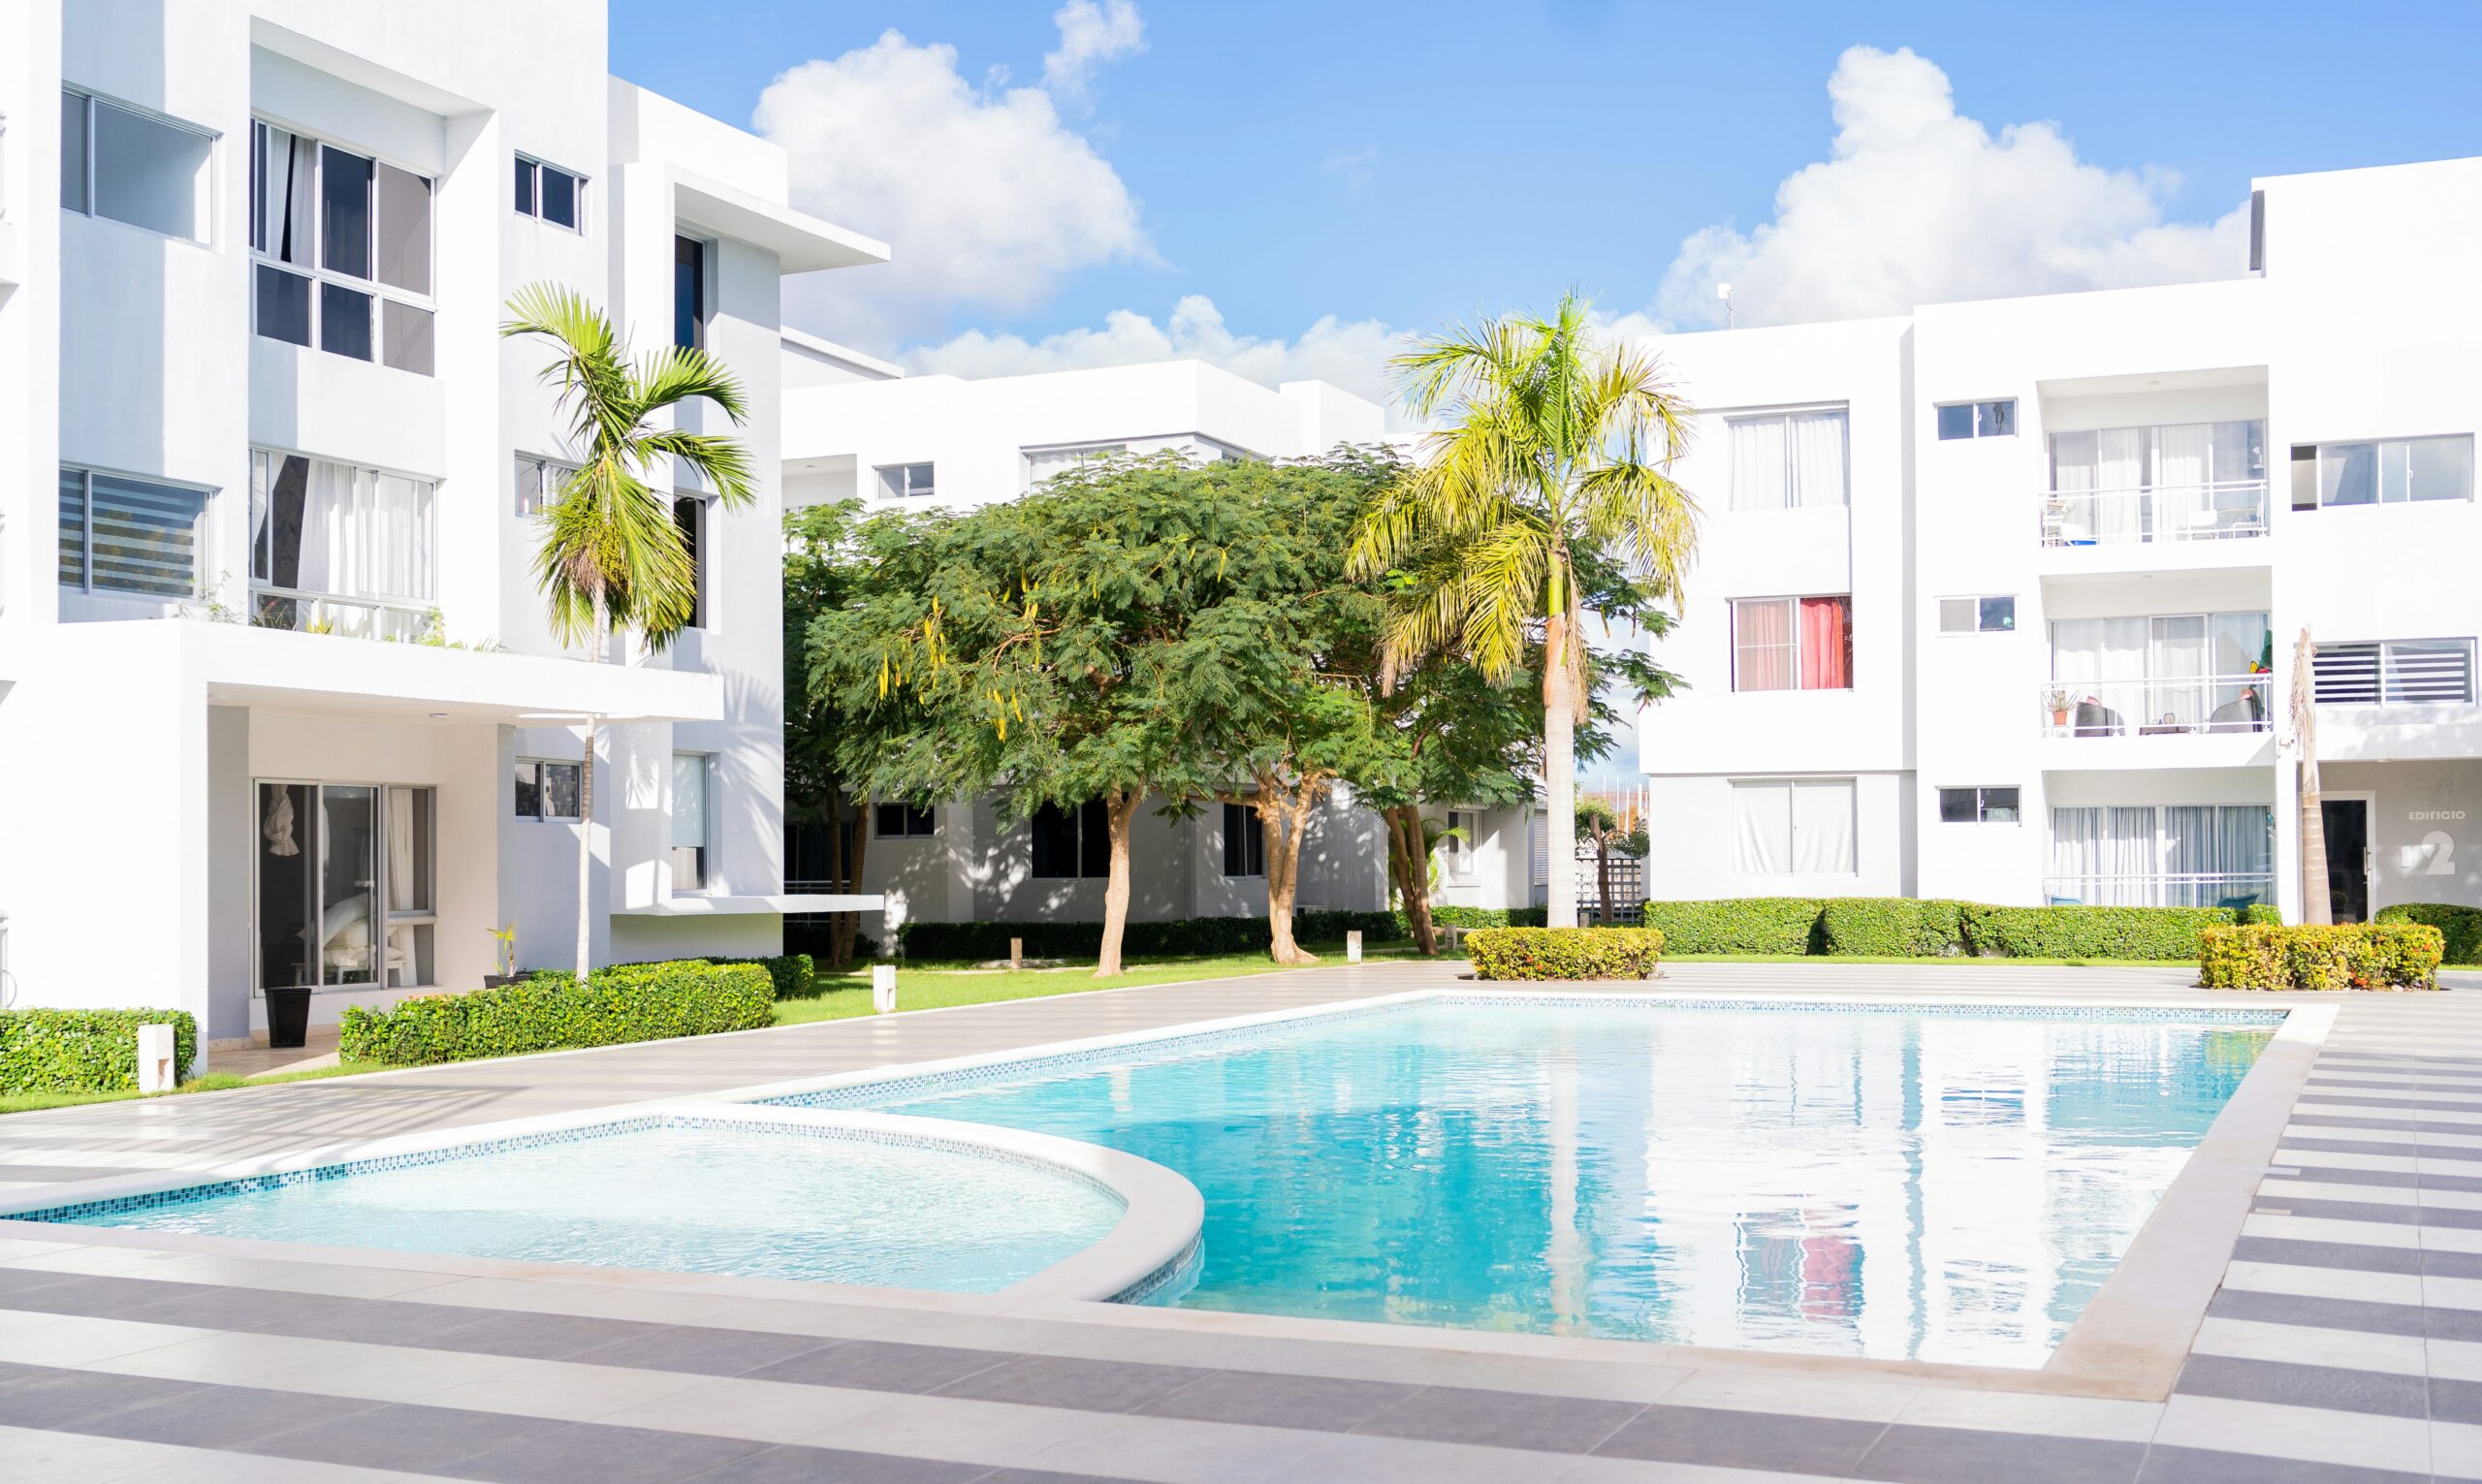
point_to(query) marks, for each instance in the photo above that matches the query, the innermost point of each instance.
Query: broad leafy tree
(611, 558)
(823, 574)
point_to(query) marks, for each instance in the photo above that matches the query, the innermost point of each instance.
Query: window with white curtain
(1793, 643)
(2170, 482)
(2176, 855)
(1784, 460)
(1792, 827)
(690, 840)
(2165, 669)
(335, 547)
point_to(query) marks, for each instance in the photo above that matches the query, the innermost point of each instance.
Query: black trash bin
(288, 1017)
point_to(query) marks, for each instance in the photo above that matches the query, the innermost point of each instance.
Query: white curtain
(1758, 463)
(2120, 473)
(2178, 664)
(283, 229)
(1762, 829)
(2076, 853)
(1818, 440)
(2104, 857)
(403, 888)
(1823, 828)
(2072, 484)
(1763, 643)
(2189, 847)
(2130, 839)
(2184, 456)
(2243, 841)
(398, 536)
(2101, 663)
(327, 529)
(689, 799)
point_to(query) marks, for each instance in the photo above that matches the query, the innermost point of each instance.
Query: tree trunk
(1407, 862)
(1603, 881)
(1117, 810)
(1560, 770)
(586, 810)
(848, 924)
(840, 924)
(2317, 904)
(1281, 815)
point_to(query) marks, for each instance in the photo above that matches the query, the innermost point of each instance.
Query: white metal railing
(2157, 706)
(2162, 889)
(328, 613)
(2222, 510)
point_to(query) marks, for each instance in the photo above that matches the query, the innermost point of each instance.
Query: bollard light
(1353, 946)
(157, 1055)
(882, 987)
(1017, 953)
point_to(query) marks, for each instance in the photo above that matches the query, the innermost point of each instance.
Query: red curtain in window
(1826, 644)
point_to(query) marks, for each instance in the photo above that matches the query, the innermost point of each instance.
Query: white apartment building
(2000, 600)
(857, 429)
(279, 705)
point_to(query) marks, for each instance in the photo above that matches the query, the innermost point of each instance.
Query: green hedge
(2461, 927)
(2351, 956)
(1442, 916)
(552, 1011)
(1179, 937)
(2089, 932)
(1565, 953)
(1892, 926)
(793, 974)
(1903, 927)
(86, 1050)
(1769, 925)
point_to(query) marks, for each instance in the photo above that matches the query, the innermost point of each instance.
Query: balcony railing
(2165, 889)
(2161, 707)
(327, 612)
(2224, 510)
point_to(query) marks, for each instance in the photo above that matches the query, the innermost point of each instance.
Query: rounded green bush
(1565, 953)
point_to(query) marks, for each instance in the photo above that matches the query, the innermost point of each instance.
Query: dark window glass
(1995, 419)
(901, 821)
(1957, 805)
(73, 529)
(344, 321)
(345, 214)
(1956, 421)
(404, 230)
(560, 790)
(689, 293)
(688, 512)
(559, 198)
(1094, 841)
(1999, 805)
(1055, 832)
(526, 187)
(529, 793)
(1997, 616)
(1245, 842)
(284, 305)
(73, 151)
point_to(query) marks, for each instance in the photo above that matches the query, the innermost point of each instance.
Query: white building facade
(278, 703)
(2000, 600)
(859, 430)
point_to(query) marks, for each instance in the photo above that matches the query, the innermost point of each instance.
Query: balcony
(323, 613)
(2155, 515)
(2213, 889)
(2158, 706)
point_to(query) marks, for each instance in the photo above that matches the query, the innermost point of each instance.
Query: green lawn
(1861, 957)
(212, 1082)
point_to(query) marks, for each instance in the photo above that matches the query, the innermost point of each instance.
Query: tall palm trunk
(2317, 904)
(1560, 769)
(1117, 810)
(585, 807)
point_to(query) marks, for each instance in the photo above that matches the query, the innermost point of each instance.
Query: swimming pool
(1888, 1181)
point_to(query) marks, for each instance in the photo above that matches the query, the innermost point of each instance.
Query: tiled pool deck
(2344, 1343)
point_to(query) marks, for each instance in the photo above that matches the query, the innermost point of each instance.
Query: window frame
(1081, 818)
(398, 602)
(535, 164)
(909, 817)
(199, 532)
(1982, 804)
(316, 272)
(542, 794)
(1785, 416)
(706, 847)
(383, 918)
(1244, 842)
(1974, 416)
(1800, 667)
(896, 479)
(86, 144)
(2383, 669)
(1980, 600)
(544, 500)
(1457, 851)
(2315, 488)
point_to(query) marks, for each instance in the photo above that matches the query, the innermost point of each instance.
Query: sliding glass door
(344, 886)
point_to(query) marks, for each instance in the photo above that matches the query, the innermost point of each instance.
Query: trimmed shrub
(1475, 917)
(792, 973)
(1769, 925)
(86, 1050)
(2351, 956)
(2088, 933)
(2459, 927)
(1180, 938)
(552, 1011)
(2259, 912)
(1892, 926)
(1565, 953)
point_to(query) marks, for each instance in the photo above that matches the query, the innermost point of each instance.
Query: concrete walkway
(2345, 1344)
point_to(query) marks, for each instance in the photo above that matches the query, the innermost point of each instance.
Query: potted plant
(2057, 701)
(506, 956)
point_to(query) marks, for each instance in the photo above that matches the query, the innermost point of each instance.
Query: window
(2382, 473)
(690, 517)
(337, 548)
(2174, 855)
(551, 194)
(1978, 806)
(1070, 843)
(2173, 482)
(2161, 673)
(1456, 843)
(1043, 464)
(1793, 643)
(1978, 616)
(906, 481)
(547, 789)
(345, 881)
(689, 293)
(2398, 672)
(1977, 419)
(1792, 827)
(539, 482)
(689, 822)
(901, 821)
(137, 167)
(1792, 459)
(1245, 842)
(120, 534)
(342, 245)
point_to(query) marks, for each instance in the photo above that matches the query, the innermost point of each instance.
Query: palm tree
(1550, 440)
(612, 557)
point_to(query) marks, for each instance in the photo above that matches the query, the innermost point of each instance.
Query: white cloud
(985, 197)
(1919, 205)
(1090, 34)
(1352, 353)
(1356, 168)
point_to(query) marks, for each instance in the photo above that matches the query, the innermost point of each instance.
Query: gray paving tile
(1262, 1399)
(2296, 1385)
(121, 1298)
(539, 1337)
(223, 1416)
(2334, 1175)
(2453, 1323)
(67, 1399)
(2362, 1314)
(702, 1350)
(1736, 1440)
(2453, 1401)
(1503, 1419)
(16, 1280)
(2202, 1466)
(882, 1365)
(2348, 1146)
(2354, 1255)
(1045, 1477)
(794, 1464)
(2439, 1264)
(2381, 1213)
(2362, 1100)
(409, 1438)
(590, 1453)
(1073, 1382)
(1919, 1455)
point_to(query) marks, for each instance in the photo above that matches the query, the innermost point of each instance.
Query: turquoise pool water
(1936, 1185)
(688, 1199)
